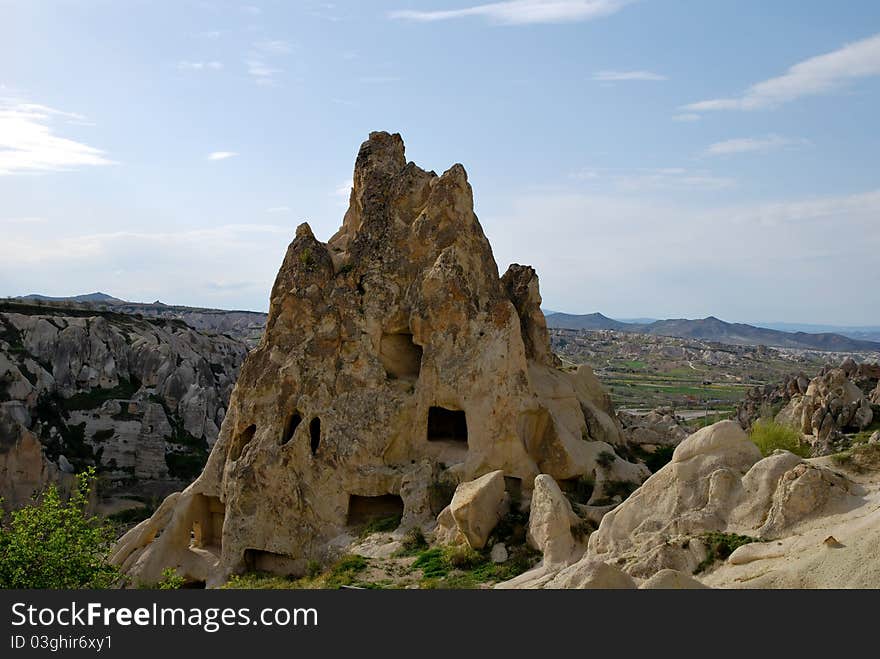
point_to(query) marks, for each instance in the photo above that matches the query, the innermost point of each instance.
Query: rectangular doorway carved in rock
(447, 425)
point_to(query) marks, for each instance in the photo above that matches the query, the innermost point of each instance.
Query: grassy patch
(719, 546)
(862, 458)
(342, 573)
(460, 567)
(769, 435)
(413, 542)
(381, 525)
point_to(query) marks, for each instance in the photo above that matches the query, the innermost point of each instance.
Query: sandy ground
(841, 550)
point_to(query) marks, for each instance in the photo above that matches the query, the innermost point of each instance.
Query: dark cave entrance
(363, 510)
(290, 427)
(447, 425)
(315, 434)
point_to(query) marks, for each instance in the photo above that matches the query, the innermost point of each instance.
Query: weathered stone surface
(477, 506)
(672, 580)
(592, 574)
(394, 343)
(550, 522)
(658, 427)
(24, 472)
(140, 400)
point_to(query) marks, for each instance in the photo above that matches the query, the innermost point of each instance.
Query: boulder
(477, 506)
(589, 573)
(550, 523)
(672, 580)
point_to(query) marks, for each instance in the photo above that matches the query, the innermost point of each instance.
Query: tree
(56, 544)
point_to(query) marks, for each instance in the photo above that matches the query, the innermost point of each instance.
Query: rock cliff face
(140, 400)
(395, 360)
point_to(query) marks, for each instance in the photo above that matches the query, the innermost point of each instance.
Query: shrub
(769, 435)
(719, 546)
(55, 544)
(605, 459)
(170, 580)
(414, 541)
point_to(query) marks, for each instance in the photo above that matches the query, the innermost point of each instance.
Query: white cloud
(621, 76)
(273, 47)
(752, 144)
(278, 209)
(259, 58)
(818, 75)
(686, 116)
(522, 12)
(186, 65)
(28, 142)
(221, 155)
(666, 179)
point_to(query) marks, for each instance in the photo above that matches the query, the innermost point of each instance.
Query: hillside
(246, 326)
(142, 400)
(713, 329)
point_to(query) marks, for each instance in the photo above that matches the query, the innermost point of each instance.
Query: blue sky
(662, 158)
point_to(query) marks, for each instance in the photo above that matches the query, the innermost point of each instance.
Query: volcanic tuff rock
(140, 400)
(395, 359)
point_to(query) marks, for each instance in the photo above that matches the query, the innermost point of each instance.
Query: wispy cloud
(818, 75)
(221, 155)
(686, 116)
(378, 80)
(273, 47)
(278, 209)
(259, 60)
(664, 179)
(186, 65)
(752, 144)
(28, 142)
(622, 76)
(521, 12)
(253, 10)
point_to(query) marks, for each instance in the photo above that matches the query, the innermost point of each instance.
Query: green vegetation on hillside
(56, 544)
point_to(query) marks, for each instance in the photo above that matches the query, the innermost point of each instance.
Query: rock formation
(797, 523)
(394, 360)
(140, 400)
(837, 401)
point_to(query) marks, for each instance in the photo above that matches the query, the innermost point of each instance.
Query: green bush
(769, 435)
(56, 544)
(170, 580)
(719, 546)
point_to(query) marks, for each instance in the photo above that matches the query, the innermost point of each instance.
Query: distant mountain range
(246, 326)
(88, 297)
(713, 329)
